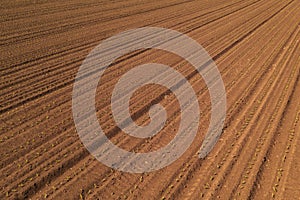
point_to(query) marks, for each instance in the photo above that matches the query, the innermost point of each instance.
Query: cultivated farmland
(254, 43)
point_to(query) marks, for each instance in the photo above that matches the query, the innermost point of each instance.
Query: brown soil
(255, 45)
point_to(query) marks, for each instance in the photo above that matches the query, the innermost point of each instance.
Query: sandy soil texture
(255, 44)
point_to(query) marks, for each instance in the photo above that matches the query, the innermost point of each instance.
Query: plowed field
(254, 43)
